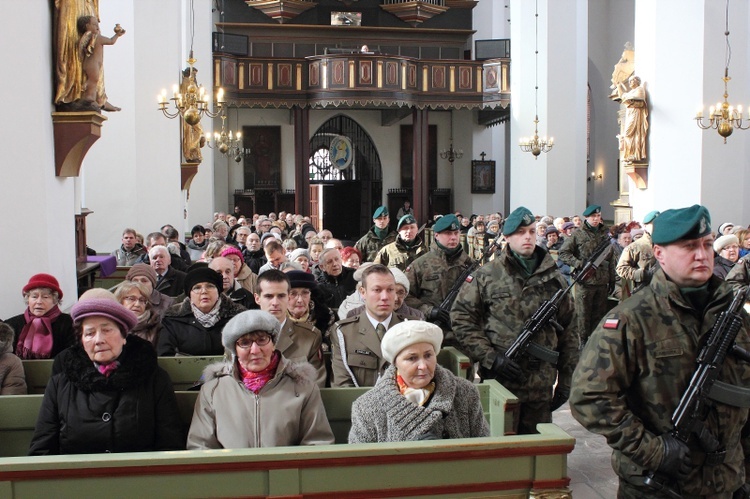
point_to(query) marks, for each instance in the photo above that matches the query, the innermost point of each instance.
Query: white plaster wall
(33, 202)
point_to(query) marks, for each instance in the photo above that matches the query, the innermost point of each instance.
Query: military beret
(591, 209)
(406, 220)
(381, 211)
(650, 217)
(682, 223)
(447, 222)
(521, 217)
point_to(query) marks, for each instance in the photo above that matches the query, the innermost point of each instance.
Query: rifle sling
(727, 394)
(543, 353)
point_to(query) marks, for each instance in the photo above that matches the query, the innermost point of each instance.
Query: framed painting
(482, 177)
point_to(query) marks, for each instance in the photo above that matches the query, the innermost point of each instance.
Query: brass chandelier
(227, 143)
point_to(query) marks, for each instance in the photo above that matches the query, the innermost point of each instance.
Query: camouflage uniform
(370, 244)
(635, 262)
(632, 374)
(397, 254)
(431, 276)
(591, 297)
(739, 276)
(489, 313)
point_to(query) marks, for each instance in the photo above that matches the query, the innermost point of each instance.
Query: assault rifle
(688, 418)
(547, 311)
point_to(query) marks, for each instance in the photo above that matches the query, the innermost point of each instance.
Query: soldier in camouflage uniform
(739, 276)
(591, 296)
(640, 359)
(492, 308)
(406, 248)
(377, 237)
(637, 264)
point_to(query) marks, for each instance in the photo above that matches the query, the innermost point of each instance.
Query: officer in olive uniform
(432, 275)
(378, 236)
(590, 296)
(491, 309)
(637, 264)
(406, 248)
(356, 358)
(640, 359)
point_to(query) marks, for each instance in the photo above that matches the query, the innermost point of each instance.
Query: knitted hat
(650, 217)
(400, 277)
(591, 209)
(521, 217)
(551, 230)
(568, 225)
(405, 334)
(406, 220)
(43, 281)
(447, 222)
(298, 253)
(248, 322)
(724, 241)
(203, 274)
(682, 223)
(381, 211)
(104, 307)
(142, 270)
(231, 250)
(300, 279)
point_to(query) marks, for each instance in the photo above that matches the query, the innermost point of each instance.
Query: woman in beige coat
(259, 398)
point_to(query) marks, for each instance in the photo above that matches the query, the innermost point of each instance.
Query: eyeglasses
(201, 288)
(247, 342)
(133, 299)
(299, 293)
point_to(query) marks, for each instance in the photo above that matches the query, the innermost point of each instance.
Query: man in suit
(169, 281)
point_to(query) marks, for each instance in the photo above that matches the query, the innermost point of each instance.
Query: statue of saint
(192, 135)
(623, 69)
(635, 129)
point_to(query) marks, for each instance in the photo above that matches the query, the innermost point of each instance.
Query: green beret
(447, 222)
(682, 223)
(381, 211)
(521, 217)
(406, 220)
(650, 216)
(590, 210)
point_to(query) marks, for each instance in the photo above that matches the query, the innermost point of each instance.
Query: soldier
(432, 275)
(298, 341)
(377, 237)
(406, 248)
(591, 296)
(491, 309)
(739, 276)
(640, 359)
(355, 342)
(637, 265)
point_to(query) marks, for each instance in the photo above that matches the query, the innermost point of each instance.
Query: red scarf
(35, 340)
(256, 381)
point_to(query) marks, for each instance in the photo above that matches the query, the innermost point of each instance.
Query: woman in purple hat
(42, 330)
(109, 394)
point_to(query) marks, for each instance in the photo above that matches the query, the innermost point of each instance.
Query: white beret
(400, 277)
(725, 241)
(248, 322)
(407, 333)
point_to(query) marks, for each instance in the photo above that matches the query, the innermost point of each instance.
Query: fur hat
(405, 334)
(724, 241)
(248, 322)
(400, 277)
(300, 279)
(202, 274)
(104, 307)
(43, 281)
(142, 270)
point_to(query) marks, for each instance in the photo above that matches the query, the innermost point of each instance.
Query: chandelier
(451, 154)
(536, 145)
(723, 117)
(227, 143)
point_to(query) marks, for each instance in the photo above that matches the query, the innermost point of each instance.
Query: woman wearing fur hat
(416, 399)
(42, 331)
(110, 395)
(259, 398)
(12, 377)
(194, 326)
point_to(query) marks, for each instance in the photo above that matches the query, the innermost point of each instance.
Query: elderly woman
(110, 395)
(351, 257)
(194, 326)
(135, 297)
(727, 249)
(259, 398)
(306, 302)
(416, 399)
(42, 331)
(144, 274)
(301, 257)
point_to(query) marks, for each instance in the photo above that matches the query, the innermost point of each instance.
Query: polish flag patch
(469, 278)
(611, 322)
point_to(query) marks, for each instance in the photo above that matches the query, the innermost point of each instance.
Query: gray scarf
(209, 319)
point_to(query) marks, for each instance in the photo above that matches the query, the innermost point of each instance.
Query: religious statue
(635, 127)
(192, 135)
(623, 69)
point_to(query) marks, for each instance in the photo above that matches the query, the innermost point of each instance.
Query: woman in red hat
(42, 331)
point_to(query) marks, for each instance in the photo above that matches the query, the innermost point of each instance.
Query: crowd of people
(293, 309)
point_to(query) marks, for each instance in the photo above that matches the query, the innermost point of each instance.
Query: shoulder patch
(469, 278)
(612, 321)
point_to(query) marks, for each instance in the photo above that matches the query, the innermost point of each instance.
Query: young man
(378, 236)
(129, 251)
(406, 248)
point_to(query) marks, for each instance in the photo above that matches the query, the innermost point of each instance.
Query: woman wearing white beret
(416, 399)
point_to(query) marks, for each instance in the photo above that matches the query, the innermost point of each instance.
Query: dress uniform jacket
(300, 342)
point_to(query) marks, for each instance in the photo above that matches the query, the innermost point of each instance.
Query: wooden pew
(111, 280)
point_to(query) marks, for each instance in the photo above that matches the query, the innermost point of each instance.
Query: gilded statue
(623, 69)
(635, 128)
(192, 135)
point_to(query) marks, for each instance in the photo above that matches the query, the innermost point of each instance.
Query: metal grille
(365, 161)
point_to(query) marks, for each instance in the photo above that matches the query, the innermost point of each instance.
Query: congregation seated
(354, 304)
(145, 275)
(197, 244)
(158, 239)
(12, 377)
(168, 280)
(173, 238)
(42, 331)
(258, 398)
(242, 273)
(130, 250)
(335, 280)
(136, 297)
(253, 254)
(231, 287)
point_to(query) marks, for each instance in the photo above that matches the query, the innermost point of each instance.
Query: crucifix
(483, 154)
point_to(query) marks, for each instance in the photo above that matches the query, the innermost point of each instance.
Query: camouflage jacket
(636, 258)
(739, 276)
(370, 244)
(492, 308)
(578, 247)
(431, 277)
(633, 371)
(397, 254)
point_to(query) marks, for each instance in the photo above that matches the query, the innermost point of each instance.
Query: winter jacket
(336, 289)
(12, 377)
(254, 259)
(287, 411)
(62, 332)
(127, 258)
(196, 250)
(132, 410)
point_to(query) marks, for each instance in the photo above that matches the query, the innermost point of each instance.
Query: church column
(301, 159)
(421, 167)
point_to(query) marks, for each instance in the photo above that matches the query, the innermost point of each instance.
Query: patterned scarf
(255, 381)
(419, 396)
(35, 340)
(209, 319)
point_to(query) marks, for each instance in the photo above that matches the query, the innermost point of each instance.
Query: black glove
(560, 397)
(505, 368)
(438, 314)
(675, 463)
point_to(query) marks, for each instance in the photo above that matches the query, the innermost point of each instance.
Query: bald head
(225, 267)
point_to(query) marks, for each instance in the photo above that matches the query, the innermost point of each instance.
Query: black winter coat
(335, 289)
(62, 332)
(133, 410)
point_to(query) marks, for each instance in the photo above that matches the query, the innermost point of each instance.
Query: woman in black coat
(110, 395)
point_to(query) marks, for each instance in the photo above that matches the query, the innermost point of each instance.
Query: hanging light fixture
(192, 101)
(451, 154)
(227, 143)
(536, 145)
(723, 117)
